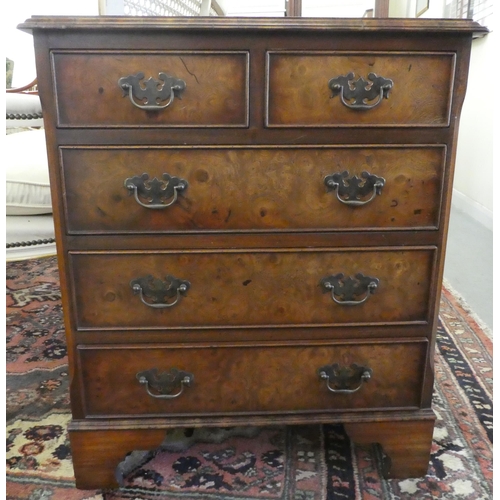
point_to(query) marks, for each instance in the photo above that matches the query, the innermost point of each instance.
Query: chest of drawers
(251, 219)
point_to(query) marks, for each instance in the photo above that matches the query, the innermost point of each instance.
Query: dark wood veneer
(257, 188)
(238, 288)
(251, 379)
(216, 93)
(297, 90)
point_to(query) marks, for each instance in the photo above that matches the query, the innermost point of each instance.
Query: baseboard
(467, 205)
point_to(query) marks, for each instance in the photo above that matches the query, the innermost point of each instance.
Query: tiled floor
(469, 264)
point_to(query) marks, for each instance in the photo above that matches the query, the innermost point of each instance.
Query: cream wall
(473, 186)
(408, 8)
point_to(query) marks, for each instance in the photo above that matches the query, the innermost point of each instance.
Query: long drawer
(149, 380)
(321, 89)
(162, 290)
(134, 89)
(124, 189)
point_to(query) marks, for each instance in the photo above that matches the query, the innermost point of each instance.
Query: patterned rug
(277, 463)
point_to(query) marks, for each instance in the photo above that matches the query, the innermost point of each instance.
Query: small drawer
(240, 288)
(176, 89)
(251, 188)
(350, 89)
(155, 380)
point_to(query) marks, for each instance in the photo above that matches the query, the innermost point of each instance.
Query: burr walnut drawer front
(162, 290)
(155, 380)
(176, 189)
(151, 89)
(359, 88)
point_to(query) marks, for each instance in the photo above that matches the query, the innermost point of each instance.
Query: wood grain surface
(89, 95)
(299, 93)
(250, 379)
(257, 189)
(251, 288)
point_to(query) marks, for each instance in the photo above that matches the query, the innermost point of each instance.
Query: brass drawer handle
(356, 94)
(349, 288)
(159, 291)
(164, 383)
(154, 190)
(150, 94)
(350, 190)
(341, 379)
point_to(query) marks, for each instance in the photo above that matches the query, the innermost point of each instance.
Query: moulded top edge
(252, 23)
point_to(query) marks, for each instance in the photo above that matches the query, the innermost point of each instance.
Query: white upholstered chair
(29, 225)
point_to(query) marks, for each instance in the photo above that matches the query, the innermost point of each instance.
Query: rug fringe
(463, 304)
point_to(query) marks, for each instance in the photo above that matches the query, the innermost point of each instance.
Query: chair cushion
(27, 176)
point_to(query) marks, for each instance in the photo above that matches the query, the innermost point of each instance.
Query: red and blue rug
(315, 462)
